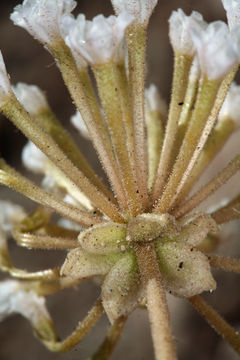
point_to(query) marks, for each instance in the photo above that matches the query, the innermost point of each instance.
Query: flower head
(5, 87)
(10, 214)
(100, 40)
(231, 105)
(31, 96)
(154, 101)
(42, 18)
(140, 9)
(79, 124)
(232, 8)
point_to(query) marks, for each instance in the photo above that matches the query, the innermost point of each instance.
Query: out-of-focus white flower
(140, 9)
(79, 124)
(231, 105)
(195, 72)
(5, 87)
(215, 49)
(10, 214)
(232, 8)
(42, 18)
(99, 40)
(31, 97)
(14, 299)
(33, 158)
(179, 34)
(154, 101)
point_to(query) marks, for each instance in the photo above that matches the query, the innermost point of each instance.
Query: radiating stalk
(217, 322)
(14, 180)
(79, 333)
(111, 340)
(228, 213)
(82, 93)
(31, 129)
(204, 103)
(156, 302)
(224, 263)
(136, 39)
(107, 82)
(182, 65)
(223, 176)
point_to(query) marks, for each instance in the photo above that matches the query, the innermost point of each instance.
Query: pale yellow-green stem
(155, 135)
(124, 97)
(34, 132)
(46, 275)
(217, 322)
(107, 82)
(182, 65)
(14, 180)
(156, 302)
(136, 39)
(215, 142)
(79, 333)
(224, 263)
(49, 122)
(111, 340)
(47, 288)
(82, 93)
(204, 103)
(229, 212)
(223, 176)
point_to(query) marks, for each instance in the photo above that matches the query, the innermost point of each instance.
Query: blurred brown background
(27, 61)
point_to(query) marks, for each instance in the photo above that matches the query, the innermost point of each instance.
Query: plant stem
(111, 340)
(217, 322)
(228, 213)
(156, 302)
(224, 263)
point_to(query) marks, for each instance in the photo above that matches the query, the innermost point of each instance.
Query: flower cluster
(140, 237)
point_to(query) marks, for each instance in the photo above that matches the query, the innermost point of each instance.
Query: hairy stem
(224, 263)
(228, 213)
(156, 302)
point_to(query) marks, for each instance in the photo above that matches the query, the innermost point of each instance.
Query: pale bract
(100, 40)
(154, 101)
(140, 9)
(215, 49)
(31, 97)
(231, 105)
(5, 87)
(232, 8)
(14, 299)
(79, 124)
(179, 34)
(10, 214)
(42, 18)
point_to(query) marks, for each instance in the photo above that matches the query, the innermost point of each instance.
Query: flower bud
(31, 97)
(140, 9)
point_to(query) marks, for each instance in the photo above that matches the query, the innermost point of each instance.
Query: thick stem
(224, 263)
(223, 176)
(111, 340)
(228, 213)
(136, 38)
(217, 322)
(156, 302)
(182, 65)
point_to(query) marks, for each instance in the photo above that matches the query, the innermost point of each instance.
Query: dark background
(28, 62)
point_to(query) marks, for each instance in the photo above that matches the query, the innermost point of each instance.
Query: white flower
(232, 8)
(31, 97)
(5, 87)
(79, 124)
(231, 105)
(42, 18)
(10, 214)
(99, 40)
(154, 101)
(13, 299)
(179, 34)
(33, 158)
(216, 53)
(140, 9)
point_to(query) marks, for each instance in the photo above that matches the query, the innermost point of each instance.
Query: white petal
(33, 158)
(179, 34)
(31, 97)
(215, 49)
(10, 214)
(42, 18)
(231, 105)
(79, 124)
(99, 40)
(140, 9)
(154, 101)
(5, 87)
(232, 8)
